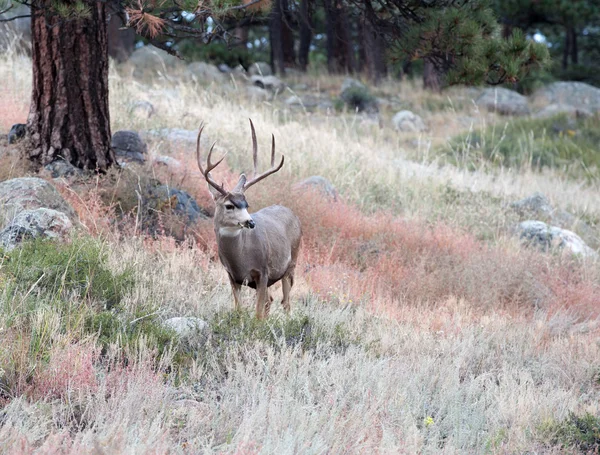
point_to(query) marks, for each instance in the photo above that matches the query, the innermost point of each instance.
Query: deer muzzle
(249, 224)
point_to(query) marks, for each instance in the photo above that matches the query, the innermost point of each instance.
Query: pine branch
(14, 18)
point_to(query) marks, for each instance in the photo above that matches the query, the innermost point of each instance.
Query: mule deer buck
(257, 250)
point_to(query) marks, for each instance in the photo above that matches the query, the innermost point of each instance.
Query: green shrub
(575, 432)
(61, 269)
(360, 99)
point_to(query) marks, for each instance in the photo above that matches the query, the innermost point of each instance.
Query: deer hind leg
(286, 283)
(235, 290)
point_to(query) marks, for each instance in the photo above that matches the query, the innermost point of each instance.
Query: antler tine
(254, 149)
(258, 178)
(209, 165)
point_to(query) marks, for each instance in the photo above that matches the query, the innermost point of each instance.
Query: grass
(555, 143)
(418, 324)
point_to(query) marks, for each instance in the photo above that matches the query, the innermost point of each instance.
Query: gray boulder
(272, 83)
(260, 69)
(350, 83)
(192, 333)
(546, 237)
(565, 109)
(128, 146)
(149, 61)
(142, 110)
(307, 101)
(183, 205)
(31, 224)
(576, 94)
(30, 193)
(204, 72)
(408, 122)
(257, 94)
(168, 161)
(17, 132)
(62, 169)
(503, 101)
(318, 184)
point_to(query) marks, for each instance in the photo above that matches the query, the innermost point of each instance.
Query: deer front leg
(262, 296)
(286, 283)
(235, 290)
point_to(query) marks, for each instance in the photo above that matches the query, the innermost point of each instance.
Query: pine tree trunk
(305, 33)
(431, 77)
(275, 29)
(287, 36)
(567, 49)
(340, 51)
(373, 52)
(574, 49)
(69, 116)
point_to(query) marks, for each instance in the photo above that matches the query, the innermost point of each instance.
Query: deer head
(231, 212)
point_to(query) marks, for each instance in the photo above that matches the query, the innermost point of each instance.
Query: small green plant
(575, 432)
(360, 99)
(61, 269)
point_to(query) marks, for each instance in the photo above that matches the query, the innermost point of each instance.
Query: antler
(209, 165)
(257, 178)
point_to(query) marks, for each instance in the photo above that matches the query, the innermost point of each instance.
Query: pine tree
(69, 115)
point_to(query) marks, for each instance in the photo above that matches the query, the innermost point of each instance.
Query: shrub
(580, 432)
(62, 269)
(360, 99)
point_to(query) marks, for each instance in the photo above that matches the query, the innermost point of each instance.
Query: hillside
(421, 322)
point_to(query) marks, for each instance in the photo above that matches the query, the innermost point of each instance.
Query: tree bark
(287, 36)
(567, 49)
(275, 31)
(431, 77)
(340, 51)
(69, 116)
(372, 50)
(574, 49)
(305, 33)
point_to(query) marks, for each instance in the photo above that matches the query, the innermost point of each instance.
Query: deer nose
(250, 224)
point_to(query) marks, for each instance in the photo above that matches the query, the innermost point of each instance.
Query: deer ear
(240, 184)
(214, 192)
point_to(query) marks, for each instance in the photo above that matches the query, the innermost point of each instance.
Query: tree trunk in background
(431, 77)
(241, 36)
(340, 52)
(373, 52)
(69, 116)
(275, 32)
(574, 49)
(120, 41)
(305, 33)
(287, 36)
(567, 49)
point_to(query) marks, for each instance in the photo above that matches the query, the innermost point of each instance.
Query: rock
(149, 61)
(272, 83)
(536, 205)
(167, 161)
(192, 332)
(557, 109)
(408, 122)
(260, 69)
(306, 102)
(62, 169)
(541, 235)
(30, 224)
(224, 68)
(503, 101)
(579, 95)
(318, 184)
(17, 132)
(128, 146)
(30, 193)
(257, 93)
(181, 203)
(204, 72)
(351, 83)
(142, 109)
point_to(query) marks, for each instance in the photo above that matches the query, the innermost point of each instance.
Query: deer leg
(268, 303)
(262, 296)
(235, 289)
(286, 283)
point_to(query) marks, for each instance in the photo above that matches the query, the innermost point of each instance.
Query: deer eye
(229, 206)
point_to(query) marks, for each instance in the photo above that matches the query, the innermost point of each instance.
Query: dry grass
(425, 338)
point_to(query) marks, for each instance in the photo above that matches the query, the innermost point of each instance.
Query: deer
(258, 249)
